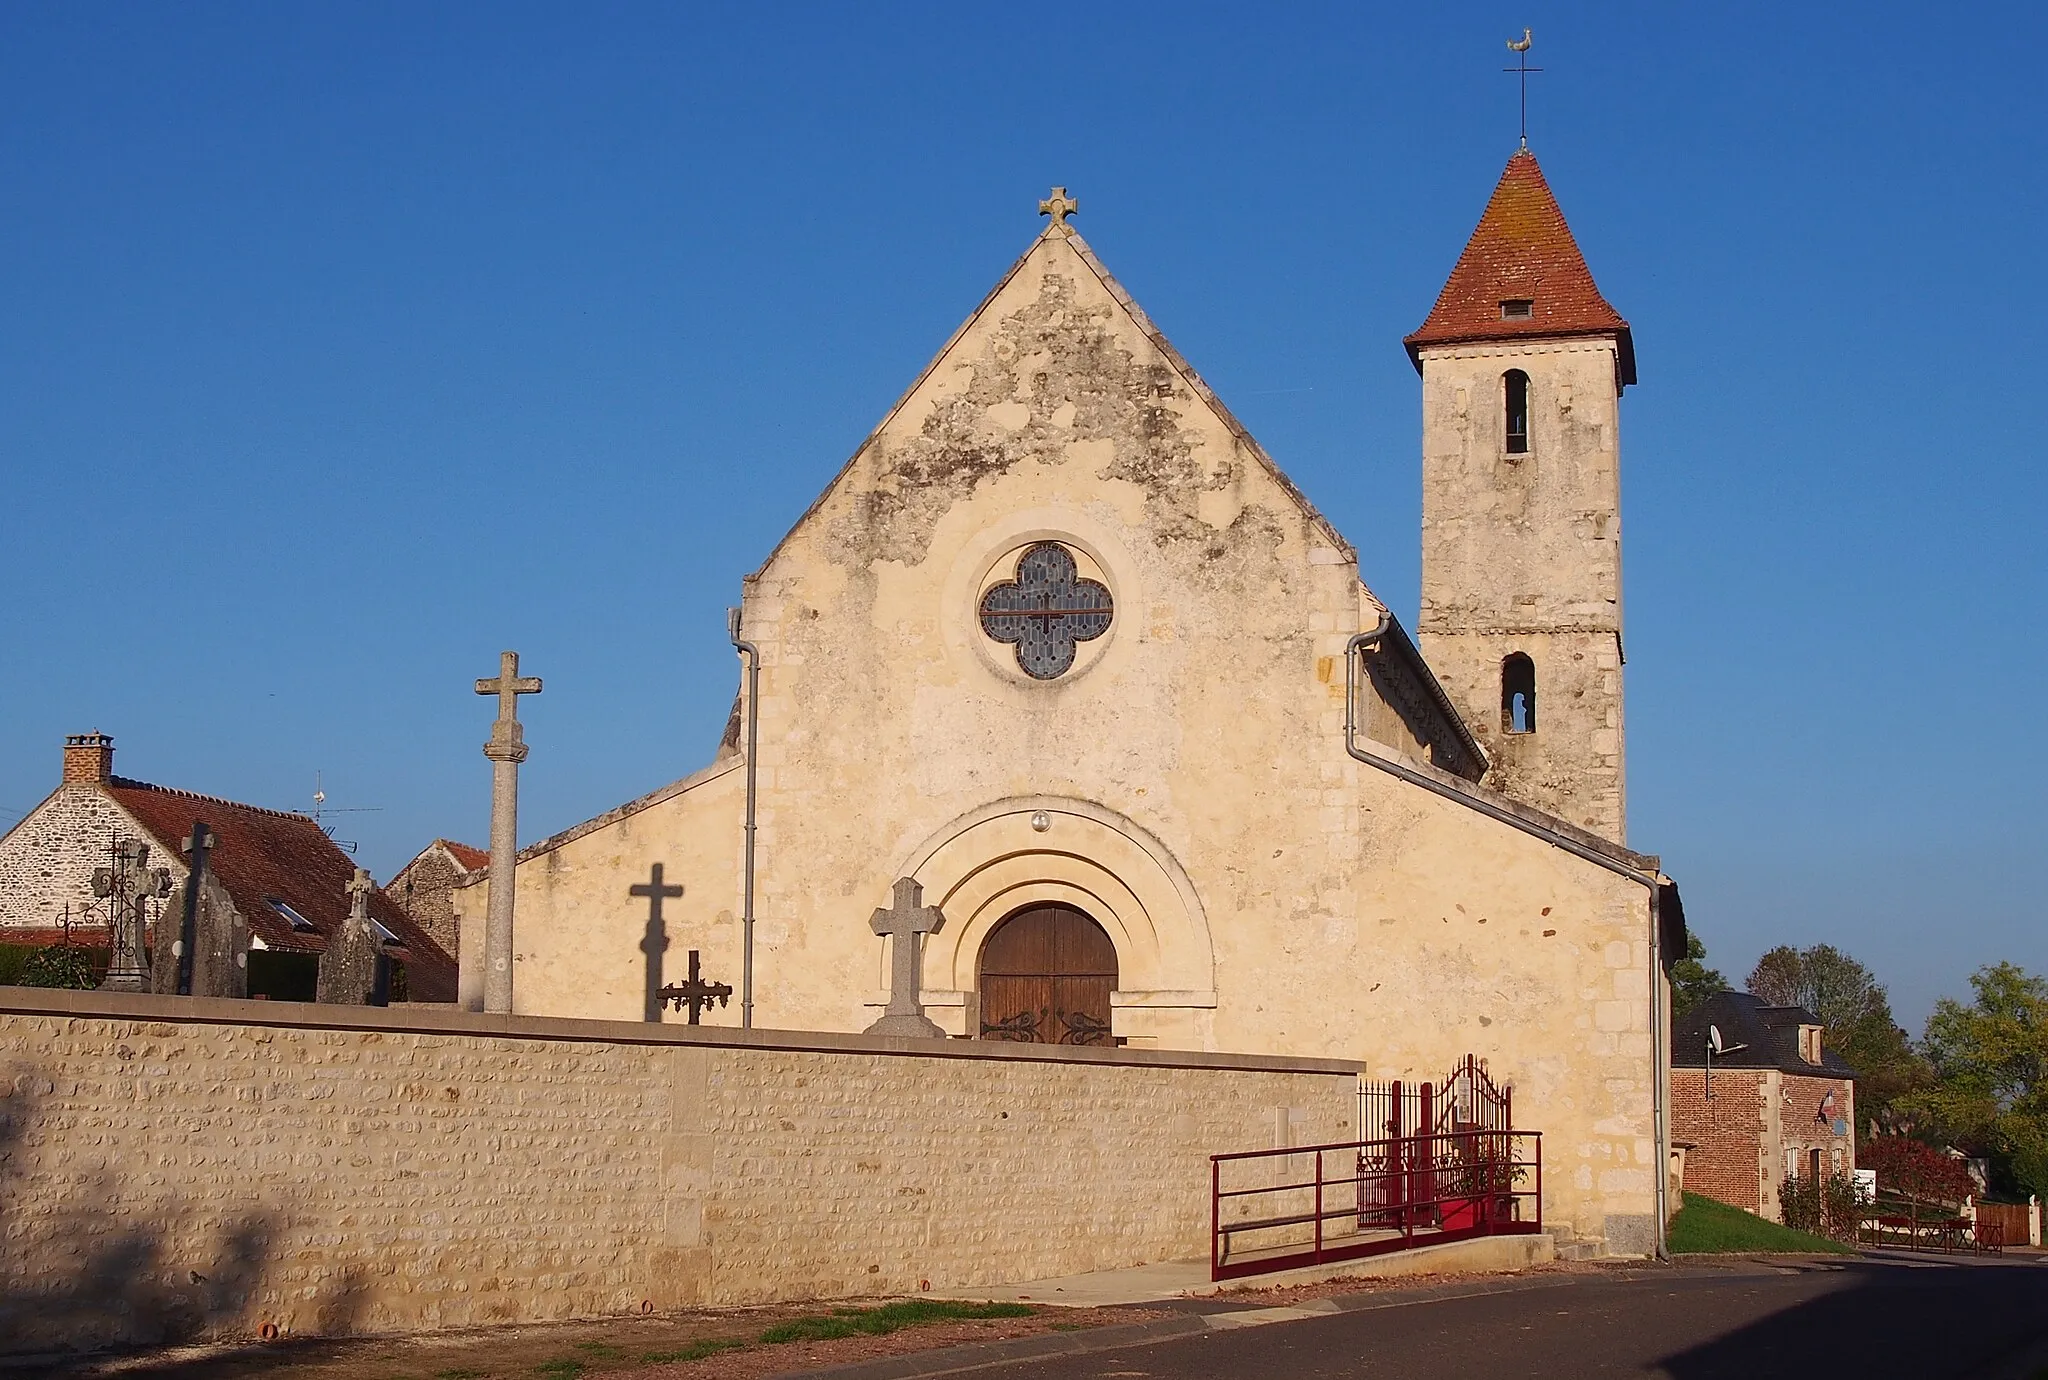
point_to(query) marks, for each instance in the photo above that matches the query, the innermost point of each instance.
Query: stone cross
(349, 968)
(655, 943)
(696, 994)
(359, 888)
(906, 924)
(506, 749)
(1059, 206)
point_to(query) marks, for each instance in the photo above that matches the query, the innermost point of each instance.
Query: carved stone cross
(359, 888)
(506, 749)
(1047, 610)
(905, 924)
(1059, 206)
(696, 994)
(354, 969)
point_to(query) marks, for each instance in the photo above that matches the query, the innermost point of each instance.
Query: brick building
(424, 888)
(276, 873)
(1782, 1105)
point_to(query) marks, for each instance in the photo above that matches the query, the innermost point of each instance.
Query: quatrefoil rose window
(1047, 610)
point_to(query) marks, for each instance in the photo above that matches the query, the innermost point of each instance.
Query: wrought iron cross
(696, 994)
(1520, 48)
(1059, 206)
(1047, 610)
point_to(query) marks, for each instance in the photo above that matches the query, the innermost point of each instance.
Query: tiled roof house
(287, 880)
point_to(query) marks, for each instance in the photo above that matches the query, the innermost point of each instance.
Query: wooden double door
(1046, 976)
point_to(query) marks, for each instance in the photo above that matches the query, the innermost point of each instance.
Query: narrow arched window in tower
(1515, 397)
(1517, 694)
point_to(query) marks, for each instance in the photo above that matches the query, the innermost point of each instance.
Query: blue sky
(348, 344)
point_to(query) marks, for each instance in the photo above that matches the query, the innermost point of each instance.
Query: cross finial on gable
(1059, 206)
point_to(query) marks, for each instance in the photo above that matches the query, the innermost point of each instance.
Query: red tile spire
(1522, 251)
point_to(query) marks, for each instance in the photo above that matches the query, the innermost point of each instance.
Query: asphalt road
(1858, 1319)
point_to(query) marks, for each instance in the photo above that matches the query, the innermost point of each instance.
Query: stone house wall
(194, 1167)
(424, 889)
(47, 862)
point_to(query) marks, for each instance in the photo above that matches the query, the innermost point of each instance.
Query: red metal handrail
(1391, 1194)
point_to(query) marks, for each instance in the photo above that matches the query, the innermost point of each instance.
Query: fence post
(1319, 1207)
(1215, 1215)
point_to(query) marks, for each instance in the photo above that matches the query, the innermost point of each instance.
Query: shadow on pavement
(1885, 1319)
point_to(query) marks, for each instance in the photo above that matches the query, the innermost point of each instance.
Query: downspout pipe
(1556, 839)
(753, 656)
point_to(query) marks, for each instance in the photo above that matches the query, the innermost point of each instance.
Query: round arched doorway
(1046, 975)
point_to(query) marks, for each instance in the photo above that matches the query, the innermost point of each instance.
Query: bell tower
(1523, 363)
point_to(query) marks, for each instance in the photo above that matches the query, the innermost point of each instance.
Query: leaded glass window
(1046, 611)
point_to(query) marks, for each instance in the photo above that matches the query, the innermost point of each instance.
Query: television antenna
(1715, 1046)
(320, 810)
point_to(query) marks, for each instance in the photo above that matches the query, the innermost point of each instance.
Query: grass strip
(694, 1351)
(885, 1318)
(1704, 1226)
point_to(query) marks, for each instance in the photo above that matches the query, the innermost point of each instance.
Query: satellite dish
(1714, 1038)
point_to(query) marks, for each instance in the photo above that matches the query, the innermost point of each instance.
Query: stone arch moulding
(985, 866)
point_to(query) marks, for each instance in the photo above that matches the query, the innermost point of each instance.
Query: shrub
(1825, 1207)
(60, 965)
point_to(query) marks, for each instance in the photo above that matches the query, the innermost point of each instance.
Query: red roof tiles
(263, 855)
(472, 859)
(1522, 250)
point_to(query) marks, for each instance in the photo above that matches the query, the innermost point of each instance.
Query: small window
(1517, 309)
(298, 921)
(1515, 399)
(1517, 694)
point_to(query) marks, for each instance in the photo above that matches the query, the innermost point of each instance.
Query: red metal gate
(1279, 1209)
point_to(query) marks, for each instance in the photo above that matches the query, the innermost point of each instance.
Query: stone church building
(1064, 645)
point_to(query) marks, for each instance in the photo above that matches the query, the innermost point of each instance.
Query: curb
(976, 1355)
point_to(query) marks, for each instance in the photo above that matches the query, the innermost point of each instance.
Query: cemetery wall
(189, 1167)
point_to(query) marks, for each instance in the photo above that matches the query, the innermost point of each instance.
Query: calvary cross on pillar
(905, 924)
(506, 749)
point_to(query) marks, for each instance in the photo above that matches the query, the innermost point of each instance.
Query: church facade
(1062, 644)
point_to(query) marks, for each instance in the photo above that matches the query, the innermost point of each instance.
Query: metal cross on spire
(1520, 48)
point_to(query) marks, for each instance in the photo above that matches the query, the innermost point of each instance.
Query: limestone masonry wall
(178, 1168)
(46, 862)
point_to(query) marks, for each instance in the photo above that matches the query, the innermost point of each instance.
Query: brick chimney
(88, 759)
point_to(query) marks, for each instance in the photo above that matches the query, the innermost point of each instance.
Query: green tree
(1692, 981)
(1989, 1059)
(1856, 1015)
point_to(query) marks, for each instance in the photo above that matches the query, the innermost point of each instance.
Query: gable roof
(1770, 1035)
(1062, 233)
(264, 855)
(1522, 250)
(467, 858)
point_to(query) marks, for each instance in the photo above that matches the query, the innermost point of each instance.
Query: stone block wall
(47, 861)
(182, 1168)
